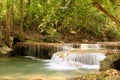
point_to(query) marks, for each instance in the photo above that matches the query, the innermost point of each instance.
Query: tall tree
(21, 33)
(8, 23)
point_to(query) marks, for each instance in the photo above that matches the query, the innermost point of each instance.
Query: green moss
(108, 62)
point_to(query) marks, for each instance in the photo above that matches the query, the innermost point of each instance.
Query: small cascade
(84, 57)
(36, 49)
(81, 57)
(90, 59)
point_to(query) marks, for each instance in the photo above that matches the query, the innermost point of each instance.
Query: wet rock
(36, 49)
(4, 50)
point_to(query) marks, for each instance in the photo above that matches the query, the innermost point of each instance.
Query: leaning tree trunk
(96, 4)
(8, 23)
(21, 33)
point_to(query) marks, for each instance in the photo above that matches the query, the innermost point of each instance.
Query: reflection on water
(28, 69)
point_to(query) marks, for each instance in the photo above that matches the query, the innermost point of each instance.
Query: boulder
(4, 50)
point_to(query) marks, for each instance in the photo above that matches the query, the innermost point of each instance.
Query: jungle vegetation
(89, 18)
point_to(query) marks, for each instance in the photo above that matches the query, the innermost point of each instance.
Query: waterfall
(91, 58)
(65, 56)
(36, 49)
(83, 56)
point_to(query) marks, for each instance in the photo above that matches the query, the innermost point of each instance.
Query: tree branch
(99, 6)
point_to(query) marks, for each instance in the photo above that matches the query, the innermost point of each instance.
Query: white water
(72, 58)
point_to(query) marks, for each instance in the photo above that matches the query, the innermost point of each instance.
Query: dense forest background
(96, 20)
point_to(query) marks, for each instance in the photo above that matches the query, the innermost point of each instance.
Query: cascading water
(84, 56)
(36, 50)
(66, 56)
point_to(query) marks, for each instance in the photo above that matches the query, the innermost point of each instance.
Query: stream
(22, 68)
(71, 62)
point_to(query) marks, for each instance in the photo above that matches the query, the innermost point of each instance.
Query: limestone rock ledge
(5, 50)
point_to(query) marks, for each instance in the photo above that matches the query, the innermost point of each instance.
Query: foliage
(113, 33)
(53, 16)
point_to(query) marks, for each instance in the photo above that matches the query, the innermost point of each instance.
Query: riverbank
(110, 74)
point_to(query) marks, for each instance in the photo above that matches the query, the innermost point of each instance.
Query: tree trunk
(12, 12)
(21, 33)
(7, 29)
(96, 4)
(29, 16)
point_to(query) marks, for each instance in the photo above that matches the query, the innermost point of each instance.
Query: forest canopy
(51, 17)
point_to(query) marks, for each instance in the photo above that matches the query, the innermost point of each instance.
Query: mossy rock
(111, 61)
